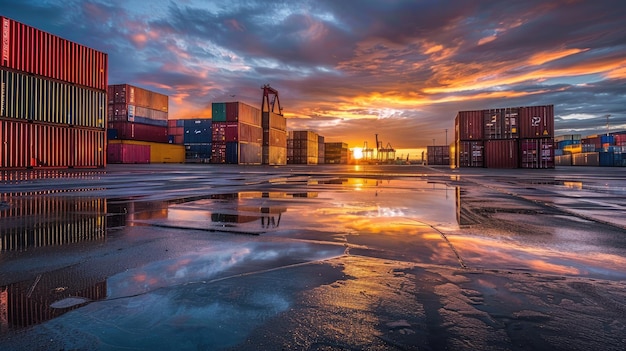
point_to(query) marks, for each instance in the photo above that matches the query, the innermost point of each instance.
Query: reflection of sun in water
(357, 153)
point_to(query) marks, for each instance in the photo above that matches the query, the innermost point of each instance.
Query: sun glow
(357, 153)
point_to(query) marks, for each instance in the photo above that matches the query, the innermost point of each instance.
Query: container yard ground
(208, 257)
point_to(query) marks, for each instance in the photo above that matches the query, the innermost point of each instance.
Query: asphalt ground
(325, 257)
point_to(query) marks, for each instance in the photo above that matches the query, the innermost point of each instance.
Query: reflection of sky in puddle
(489, 253)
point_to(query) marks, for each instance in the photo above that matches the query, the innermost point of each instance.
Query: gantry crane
(274, 104)
(385, 154)
(368, 153)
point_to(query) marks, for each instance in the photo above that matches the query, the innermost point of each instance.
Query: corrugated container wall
(28, 49)
(470, 154)
(537, 153)
(438, 155)
(159, 152)
(32, 98)
(537, 121)
(140, 132)
(240, 112)
(501, 123)
(218, 111)
(45, 145)
(197, 131)
(320, 150)
(128, 153)
(127, 94)
(469, 125)
(501, 153)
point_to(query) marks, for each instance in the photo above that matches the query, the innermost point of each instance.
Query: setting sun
(357, 153)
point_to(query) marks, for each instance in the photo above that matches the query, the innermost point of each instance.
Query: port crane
(368, 153)
(385, 154)
(272, 105)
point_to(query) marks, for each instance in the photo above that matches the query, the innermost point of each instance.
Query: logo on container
(535, 121)
(5, 39)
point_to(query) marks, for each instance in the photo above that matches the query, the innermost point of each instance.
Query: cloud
(346, 68)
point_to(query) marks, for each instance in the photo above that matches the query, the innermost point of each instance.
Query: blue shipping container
(562, 144)
(232, 152)
(197, 131)
(610, 159)
(111, 134)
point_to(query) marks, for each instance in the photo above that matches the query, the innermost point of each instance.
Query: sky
(351, 69)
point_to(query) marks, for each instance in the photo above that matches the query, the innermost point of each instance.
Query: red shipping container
(469, 125)
(25, 48)
(537, 122)
(132, 95)
(537, 153)
(240, 112)
(500, 123)
(140, 132)
(128, 153)
(470, 154)
(501, 153)
(619, 139)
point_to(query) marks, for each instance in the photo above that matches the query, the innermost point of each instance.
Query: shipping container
(271, 120)
(197, 131)
(438, 155)
(469, 125)
(240, 112)
(198, 153)
(218, 152)
(140, 132)
(218, 112)
(565, 160)
(27, 49)
(127, 94)
(565, 143)
(586, 159)
(128, 153)
(537, 122)
(274, 155)
(537, 153)
(610, 158)
(470, 154)
(573, 137)
(32, 98)
(501, 123)
(501, 153)
(44, 145)
(159, 152)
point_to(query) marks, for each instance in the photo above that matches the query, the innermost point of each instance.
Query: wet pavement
(206, 257)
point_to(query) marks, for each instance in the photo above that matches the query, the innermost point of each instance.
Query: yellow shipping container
(573, 149)
(159, 152)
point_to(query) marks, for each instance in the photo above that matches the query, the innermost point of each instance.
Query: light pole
(607, 124)
(446, 136)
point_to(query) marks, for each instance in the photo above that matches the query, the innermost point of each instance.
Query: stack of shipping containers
(138, 127)
(237, 133)
(52, 100)
(604, 150)
(303, 147)
(438, 155)
(175, 131)
(469, 149)
(505, 138)
(336, 153)
(320, 150)
(274, 138)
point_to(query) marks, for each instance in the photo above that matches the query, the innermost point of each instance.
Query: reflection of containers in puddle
(37, 220)
(464, 216)
(29, 302)
(123, 212)
(269, 216)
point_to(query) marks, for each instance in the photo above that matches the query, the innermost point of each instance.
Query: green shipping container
(218, 111)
